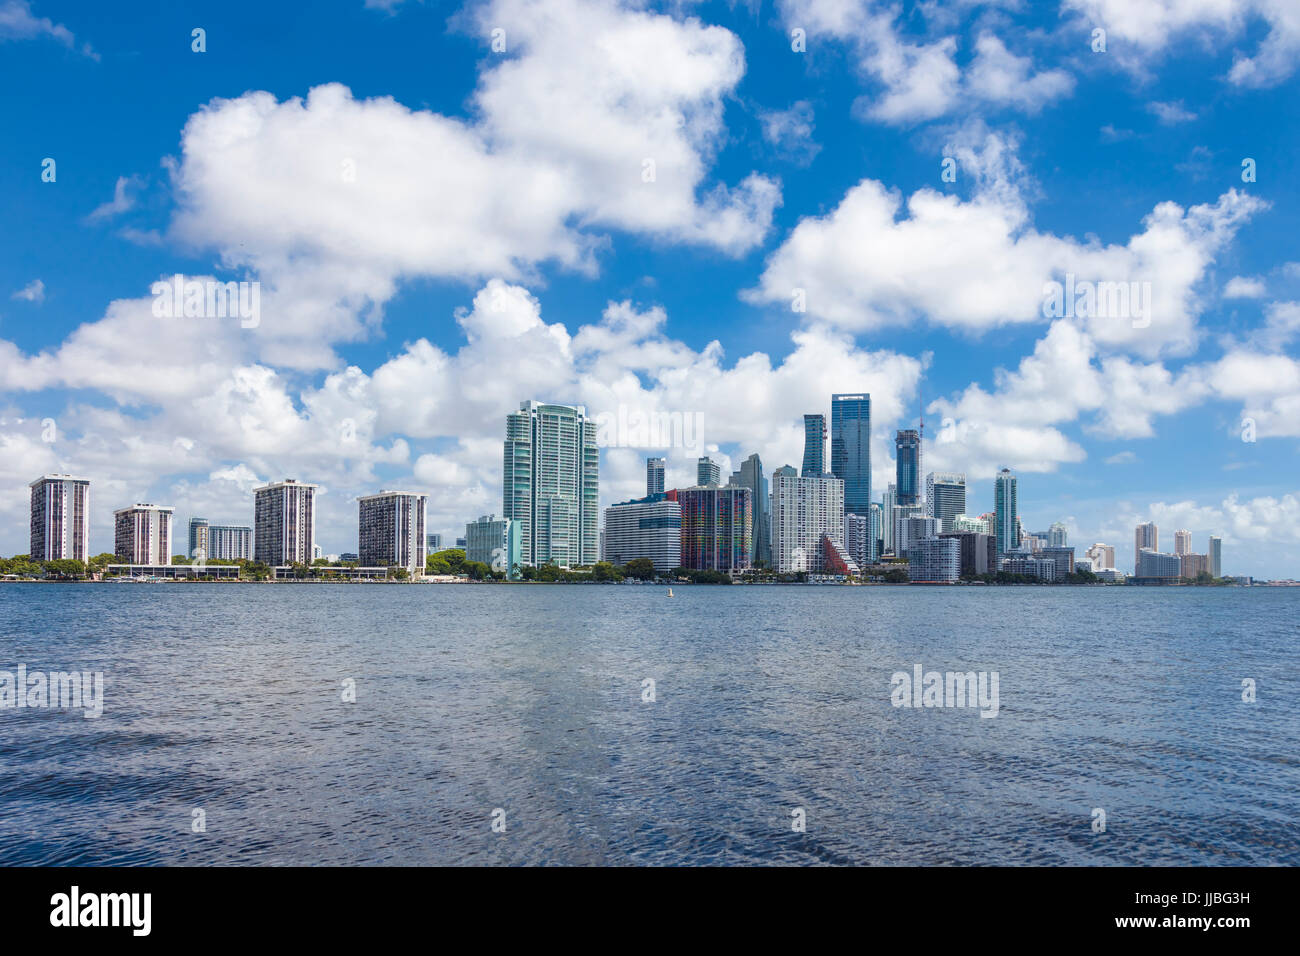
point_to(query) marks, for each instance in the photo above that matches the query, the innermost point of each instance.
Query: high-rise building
(933, 560)
(649, 527)
(1064, 558)
(551, 483)
(978, 525)
(717, 527)
(858, 540)
(945, 497)
(814, 446)
(1102, 557)
(142, 534)
(654, 476)
(913, 527)
(907, 466)
(887, 506)
(1193, 565)
(1156, 564)
(877, 531)
(60, 518)
(433, 542)
(390, 530)
(1146, 536)
(228, 542)
(1215, 556)
(751, 476)
(851, 449)
(495, 542)
(1057, 535)
(284, 516)
(1182, 542)
(197, 543)
(979, 552)
(1006, 508)
(804, 510)
(707, 472)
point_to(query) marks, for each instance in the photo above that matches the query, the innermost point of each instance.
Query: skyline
(673, 295)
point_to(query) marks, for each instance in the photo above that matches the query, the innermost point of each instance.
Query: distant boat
(670, 592)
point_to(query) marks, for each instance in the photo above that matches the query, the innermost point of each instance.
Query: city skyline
(815, 232)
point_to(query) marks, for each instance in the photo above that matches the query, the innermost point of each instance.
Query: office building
(913, 528)
(1156, 564)
(1057, 536)
(814, 446)
(495, 542)
(654, 475)
(284, 519)
(1043, 569)
(142, 534)
(1006, 509)
(902, 515)
(888, 502)
(1214, 557)
(1064, 558)
(1147, 536)
(717, 527)
(1193, 565)
(60, 518)
(851, 449)
(945, 497)
(708, 472)
(907, 466)
(1182, 542)
(978, 525)
(432, 542)
(390, 530)
(933, 560)
(551, 483)
(804, 510)
(649, 527)
(977, 552)
(751, 476)
(877, 531)
(1102, 557)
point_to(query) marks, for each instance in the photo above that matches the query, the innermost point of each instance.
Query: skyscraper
(751, 476)
(851, 449)
(654, 476)
(887, 506)
(284, 516)
(390, 530)
(805, 510)
(142, 534)
(649, 527)
(1215, 556)
(1147, 536)
(229, 542)
(495, 542)
(814, 446)
(60, 518)
(945, 497)
(907, 466)
(707, 472)
(197, 543)
(1182, 541)
(717, 527)
(1102, 557)
(1005, 507)
(1057, 535)
(551, 483)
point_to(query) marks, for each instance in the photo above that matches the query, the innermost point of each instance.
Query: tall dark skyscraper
(751, 476)
(908, 442)
(654, 476)
(814, 446)
(851, 450)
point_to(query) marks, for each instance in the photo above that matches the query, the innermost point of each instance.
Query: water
(227, 698)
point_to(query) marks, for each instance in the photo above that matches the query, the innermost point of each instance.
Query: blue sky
(441, 230)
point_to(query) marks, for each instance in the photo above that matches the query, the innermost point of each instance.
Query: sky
(712, 213)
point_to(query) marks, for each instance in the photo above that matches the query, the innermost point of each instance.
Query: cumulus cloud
(878, 259)
(33, 291)
(18, 22)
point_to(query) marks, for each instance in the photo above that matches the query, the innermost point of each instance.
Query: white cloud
(18, 22)
(1171, 114)
(791, 132)
(1243, 287)
(33, 291)
(121, 202)
(878, 260)
(999, 76)
(1139, 28)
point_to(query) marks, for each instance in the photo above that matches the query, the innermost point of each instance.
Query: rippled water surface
(529, 699)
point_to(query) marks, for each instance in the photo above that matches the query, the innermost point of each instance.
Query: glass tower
(814, 446)
(908, 466)
(851, 449)
(1004, 506)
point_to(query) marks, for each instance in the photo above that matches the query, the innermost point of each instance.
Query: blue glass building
(851, 449)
